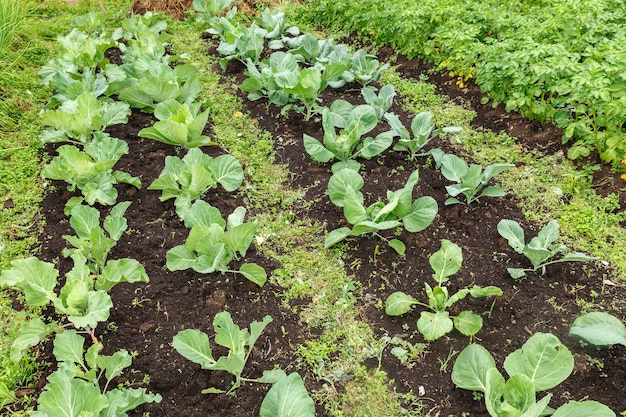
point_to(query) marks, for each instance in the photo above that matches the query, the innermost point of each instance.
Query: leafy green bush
(437, 322)
(542, 363)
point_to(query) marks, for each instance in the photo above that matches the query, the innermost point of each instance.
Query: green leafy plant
(471, 180)
(78, 52)
(69, 86)
(91, 240)
(75, 387)
(144, 86)
(77, 120)
(540, 249)
(423, 132)
(437, 322)
(91, 170)
(83, 299)
(213, 243)
(380, 102)
(179, 124)
(208, 10)
(194, 345)
(274, 23)
(288, 398)
(349, 144)
(284, 83)
(400, 210)
(242, 43)
(189, 178)
(366, 68)
(599, 329)
(542, 363)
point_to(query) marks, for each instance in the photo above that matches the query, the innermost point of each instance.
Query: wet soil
(147, 316)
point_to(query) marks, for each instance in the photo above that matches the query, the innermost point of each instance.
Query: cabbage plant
(542, 363)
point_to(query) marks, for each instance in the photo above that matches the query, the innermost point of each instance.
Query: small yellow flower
(623, 161)
(623, 177)
(238, 114)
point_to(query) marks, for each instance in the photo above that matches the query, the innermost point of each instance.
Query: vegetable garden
(243, 217)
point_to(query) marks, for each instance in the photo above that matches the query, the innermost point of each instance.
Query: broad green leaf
(339, 183)
(365, 227)
(256, 328)
(516, 273)
(544, 359)
(83, 220)
(115, 364)
(99, 305)
(600, 329)
(65, 396)
(423, 212)
(453, 168)
(577, 257)
(337, 236)
(353, 208)
(519, 394)
(398, 246)
(399, 303)
(547, 235)
(227, 172)
(271, 377)
(236, 218)
(513, 233)
(470, 369)
(126, 399)
(446, 261)
(495, 386)
(202, 213)
(434, 325)
(539, 409)
(375, 146)
(468, 323)
(240, 237)
(488, 291)
(228, 334)
(316, 149)
(30, 334)
(254, 273)
(180, 258)
(492, 191)
(69, 347)
(494, 169)
(288, 398)
(36, 278)
(583, 409)
(194, 345)
(120, 270)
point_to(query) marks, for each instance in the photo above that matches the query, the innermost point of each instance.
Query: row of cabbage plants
(282, 78)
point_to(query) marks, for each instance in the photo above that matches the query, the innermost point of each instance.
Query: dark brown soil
(147, 316)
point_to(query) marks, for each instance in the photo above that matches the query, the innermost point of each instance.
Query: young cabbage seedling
(187, 179)
(366, 68)
(349, 144)
(471, 180)
(75, 388)
(540, 249)
(77, 120)
(380, 102)
(423, 132)
(194, 345)
(599, 329)
(83, 299)
(180, 124)
(91, 170)
(400, 210)
(213, 243)
(437, 322)
(542, 363)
